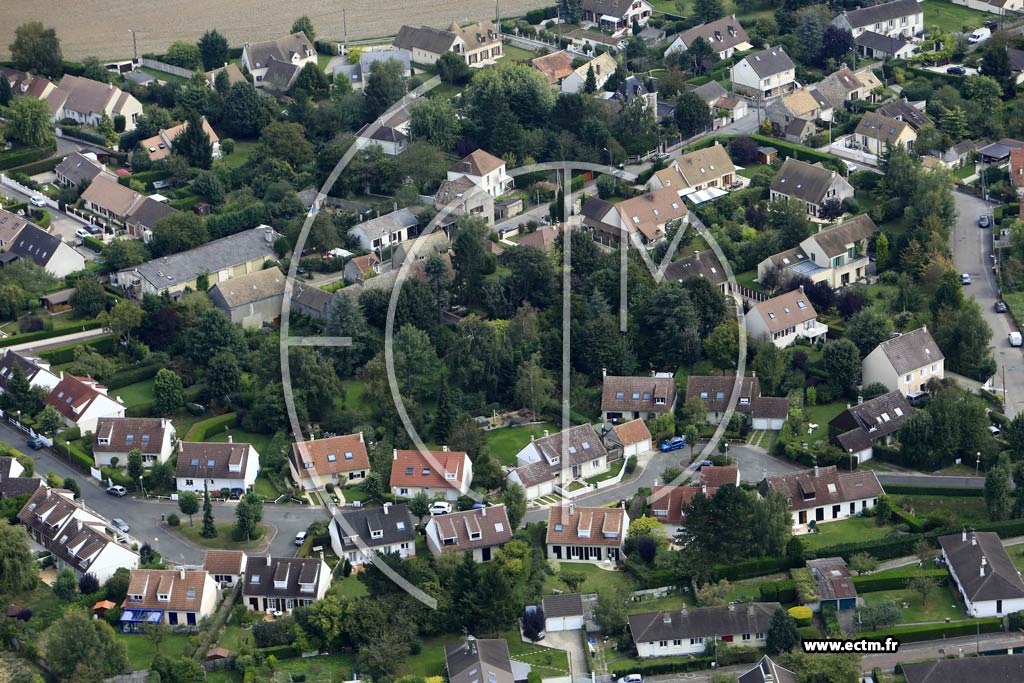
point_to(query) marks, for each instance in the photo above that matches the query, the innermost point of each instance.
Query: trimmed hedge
(118, 476)
(41, 218)
(280, 652)
(82, 134)
(20, 157)
(123, 378)
(799, 152)
(915, 525)
(778, 591)
(66, 354)
(913, 634)
(41, 166)
(890, 548)
(49, 334)
(749, 569)
(890, 581)
(907, 490)
(79, 458)
(94, 244)
(656, 668)
(201, 430)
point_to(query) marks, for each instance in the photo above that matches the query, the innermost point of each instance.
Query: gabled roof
(673, 500)
(393, 521)
(468, 661)
(310, 297)
(280, 73)
(603, 65)
(147, 211)
(224, 562)
(202, 460)
(786, 310)
(235, 74)
(85, 96)
(837, 239)
(333, 455)
(572, 446)
(710, 92)
(77, 168)
(831, 578)
(554, 66)
(880, 14)
(702, 165)
(703, 264)
(880, 43)
(250, 288)
(911, 350)
(702, 622)
(282, 49)
(10, 227)
(184, 588)
(650, 211)
(13, 485)
(283, 577)
(426, 38)
(807, 182)
(638, 393)
(902, 110)
(613, 8)
(632, 432)
(476, 36)
(469, 529)
(431, 470)
(880, 127)
(1017, 167)
(586, 526)
(716, 390)
(36, 244)
(477, 163)
(878, 417)
(127, 433)
(715, 476)
(387, 224)
(73, 395)
(564, 605)
(721, 34)
(29, 368)
(111, 195)
(769, 62)
(767, 671)
(823, 486)
(969, 670)
(982, 566)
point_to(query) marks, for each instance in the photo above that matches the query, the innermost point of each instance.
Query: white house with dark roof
(765, 74)
(220, 466)
(12, 483)
(725, 36)
(563, 612)
(280, 584)
(484, 170)
(295, 51)
(811, 184)
(784, 319)
(481, 531)
(82, 401)
(86, 101)
(358, 533)
(117, 436)
(465, 660)
(78, 168)
(767, 671)
(34, 370)
(690, 631)
(20, 239)
(1008, 667)
(905, 363)
(716, 391)
(478, 44)
(548, 464)
(702, 264)
(386, 230)
(632, 397)
(983, 573)
(824, 494)
(837, 255)
(898, 19)
(857, 428)
(616, 16)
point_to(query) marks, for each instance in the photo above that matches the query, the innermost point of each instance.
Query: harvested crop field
(101, 27)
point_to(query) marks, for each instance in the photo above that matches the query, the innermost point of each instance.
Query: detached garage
(769, 413)
(563, 612)
(633, 436)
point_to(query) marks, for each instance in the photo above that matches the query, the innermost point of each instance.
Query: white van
(980, 35)
(1015, 339)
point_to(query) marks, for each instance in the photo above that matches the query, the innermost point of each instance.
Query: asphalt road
(61, 224)
(143, 516)
(972, 253)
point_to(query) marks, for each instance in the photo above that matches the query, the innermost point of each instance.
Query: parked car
(631, 678)
(983, 221)
(851, 167)
(82, 233)
(980, 35)
(94, 229)
(300, 538)
(1000, 307)
(118, 491)
(38, 200)
(35, 443)
(440, 507)
(704, 463)
(236, 493)
(1015, 339)
(120, 525)
(956, 70)
(673, 444)
(994, 430)
(965, 279)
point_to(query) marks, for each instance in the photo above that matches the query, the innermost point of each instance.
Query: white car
(38, 200)
(631, 678)
(82, 233)
(440, 507)
(300, 538)
(120, 525)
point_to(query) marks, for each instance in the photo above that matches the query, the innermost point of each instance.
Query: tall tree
(122, 320)
(209, 529)
(570, 11)
(184, 54)
(83, 649)
(244, 114)
(384, 86)
(5, 94)
(37, 49)
(135, 467)
(188, 503)
(998, 500)
(470, 260)
(534, 389)
(194, 144)
(29, 122)
(434, 120)
(304, 24)
(692, 114)
(18, 569)
(514, 499)
(770, 363)
(89, 299)
(782, 634)
(708, 10)
(841, 361)
(214, 48)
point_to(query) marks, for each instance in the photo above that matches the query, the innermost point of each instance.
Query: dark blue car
(673, 444)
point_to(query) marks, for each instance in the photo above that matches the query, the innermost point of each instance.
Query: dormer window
(408, 470)
(474, 535)
(307, 465)
(130, 438)
(377, 533)
(620, 395)
(211, 463)
(163, 597)
(255, 578)
(137, 597)
(426, 471)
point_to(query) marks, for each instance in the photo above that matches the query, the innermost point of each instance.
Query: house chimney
(604, 372)
(667, 618)
(231, 439)
(981, 570)
(750, 610)
(815, 470)
(974, 539)
(387, 508)
(732, 608)
(963, 535)
(860, 399)
(444, 448)
(801, 289)
(546, 434)
(181, 571)
(572, 508)
(704, 489)
(483, 511)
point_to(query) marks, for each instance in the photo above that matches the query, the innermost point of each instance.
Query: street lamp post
(851, 460)
(143, 487)
(977, 466)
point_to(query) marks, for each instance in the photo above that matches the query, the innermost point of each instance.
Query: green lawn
(163, 75)
(325, 669)
(949, 17)
(232, 637)
(507, 441)
(265, 489)
(747, 279)
(430, 661)
(135, 394)
(821, 415)
(446, 91)
(845, 531)
(672, 602)
(518, 54)
(223, 540)
(940, 604)
(968, 510)
(544, 660)
(141, 649)
(353, 390)
(964, 172)
(610, 474)
(349, 588)
(261, 442)
(243, 149)
(597, 580)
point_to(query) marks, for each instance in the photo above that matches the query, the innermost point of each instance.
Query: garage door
(563, 623)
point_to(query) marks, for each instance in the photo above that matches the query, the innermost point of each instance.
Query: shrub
(173, 520)
(73, 434)
(831, 619)
(203, 429)
(889, 581)
(801, 614)
(809, 632)
(920, 632)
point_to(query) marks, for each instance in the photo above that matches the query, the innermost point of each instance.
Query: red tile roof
(632, 432)
(600, 526)
(418, 470)
(333, 455)
(675, 499)
(719, 476)
(73, 395)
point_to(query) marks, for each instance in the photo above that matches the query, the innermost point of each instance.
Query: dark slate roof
(280, 73)
(855, 440)
(970, 670)
(710, 91)
(702, 622)
(467, 660)
(880, 43)
(831, 578)
(767, 671)
(720, 34)
(395, 521)
(1001, 580)
(901, 110)
(631, 87)
(876, 418)
(76, 167)
(911, 350)
(834, 241)
(613, 8)
(12, 358)
(35, 244)
(702, 264)
(12, 487)
(299, 575)
(149, 211)
(425, 38)
(869, 16)
(565, 605)
(211, 257)
(769, 62)
(1016, 59)
(311, 299)
(807, 182)
(718, 390)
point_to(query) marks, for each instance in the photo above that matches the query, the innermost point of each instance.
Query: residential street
(972, 252)
(61, 224)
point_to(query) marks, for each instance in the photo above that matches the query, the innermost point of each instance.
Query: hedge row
(749, 569)
(201, 430)
(41, 218)
(49, 334)
(891, 581)
(890, 548)
(914, 634)
(656, 668)
(123, 378)
(94, 244)
(83, 134)
(778, 591)
(20, 157)
(222, 225)
(280, 652)
(118, 476)
(915, 525)
(66, 354)
(79, 458)
(788, 149)
(148, 408)
(41, 166)
(903, 489)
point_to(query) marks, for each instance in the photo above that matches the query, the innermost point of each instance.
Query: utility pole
(135, 46)
(344, 25)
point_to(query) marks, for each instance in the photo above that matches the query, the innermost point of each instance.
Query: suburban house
(844, 85)
(461, 198)
(159, 146)
(144, 216)
(167, 596)
(669, 503)
(765, 412)
(716, 476)
(82, 401)
(292, 52)
(225, 566)
(905, 363)
(616, 16)
(702, 264)
(554, 460)
(857, 428)
(983, 573)
(117, 436)
(767, 671)
(219, 260)
(356, 74)
(836, 255)
(563, 612)
(420, 249)
(362, 268)
(108, 199)
(1001, 7)
(725, 36)
(647, 217)
(12, 484)
(481, 531)
(251, 300)
(873, 45)
(898, 19)
(78, 538)
(78, 168)
(440, 474)
(693, 171)
(824, 494)
(10, 227)
(632, 438)
(218, 466)
(23, 83)
(689, 630)
(479, 44)
(20, 239)
(968, 670)
(86, 102)
(358, 533)
(554, 66)
(280, 584)
(386, 230)
(804, 104)
(484, 170)
(309, 300)
(728, 109)
(765, 74)
(876, 132)
(465, 661)
(833, 584)
(35, 371)
(580, 534)
(1017, 170)
(812, 184)
(391, 141)
(235, 74)
(629, 398)
(912, 113)
(603, 66)
(784, 319)
(337, 460)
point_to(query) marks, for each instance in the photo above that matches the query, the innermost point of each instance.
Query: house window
(188, 482)
(935, 367)
(403, 492)
(677, 642)
(746, 637)
(759, 635)
(696, 641)
(662, 643)
(909, 377)
(704, 395)
(619, 395)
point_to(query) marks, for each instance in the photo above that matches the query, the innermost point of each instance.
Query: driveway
(572, 643)
(755, 462)
(972, 253)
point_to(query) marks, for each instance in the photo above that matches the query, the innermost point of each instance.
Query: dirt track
(101, 27)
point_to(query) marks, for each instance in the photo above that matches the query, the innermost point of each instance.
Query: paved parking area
(754, 463)
(571, 642)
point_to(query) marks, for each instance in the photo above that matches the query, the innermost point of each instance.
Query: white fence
(15, 185)
(618, 477)
(167, 68)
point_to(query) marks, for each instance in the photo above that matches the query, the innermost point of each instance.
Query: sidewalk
(912, 559)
